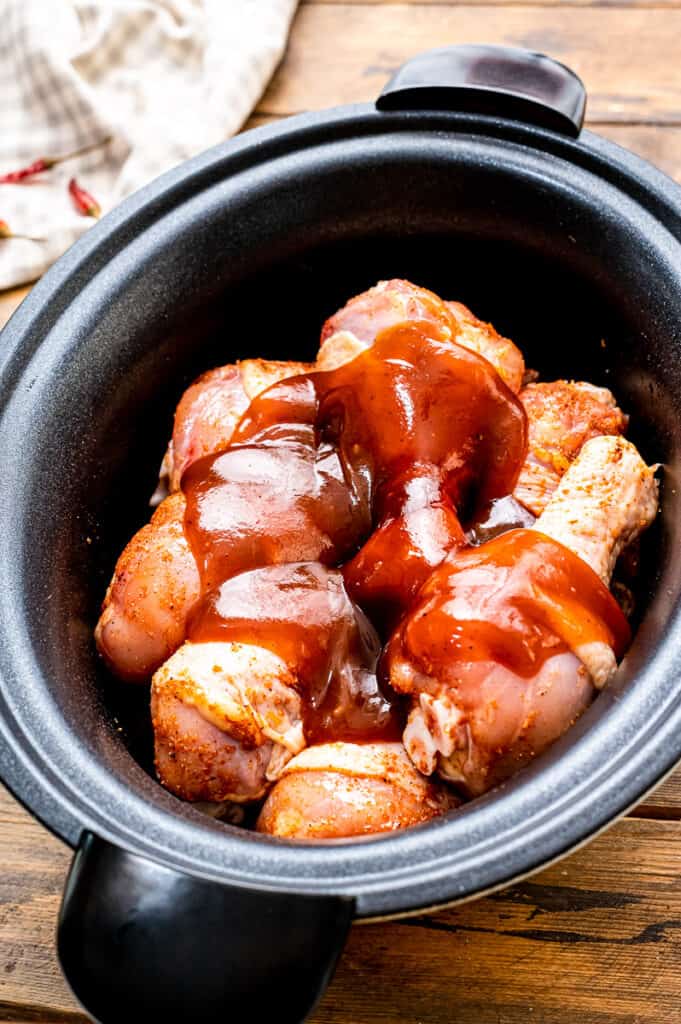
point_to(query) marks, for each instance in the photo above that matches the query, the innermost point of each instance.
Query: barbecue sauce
(515, 601)
(302, 612)
(369, 468)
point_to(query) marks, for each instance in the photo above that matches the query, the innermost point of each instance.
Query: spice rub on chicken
(276, 658)
(508, 642)
(338, 790)
(344, 601)
(562, 416)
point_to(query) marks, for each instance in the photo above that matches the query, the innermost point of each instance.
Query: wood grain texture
(344, 53)
(595, 939)
(664, 802)
(660, 145)
(558, 948)
(34, 866)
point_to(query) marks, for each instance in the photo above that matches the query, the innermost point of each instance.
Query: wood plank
(9, 300)
(595, 939)
(665, 801)
(661, 145)
(34, 866)
(562, 943)
(345, 52)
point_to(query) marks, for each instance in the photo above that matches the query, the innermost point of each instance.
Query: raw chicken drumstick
(507, 642)
(561, 414)
(355, 327)
(279, 657)
(154, 586)
(603, 504)
(226, 718)
(338, 790)
(211, 407)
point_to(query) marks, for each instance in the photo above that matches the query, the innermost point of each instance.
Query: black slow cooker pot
(470, 175)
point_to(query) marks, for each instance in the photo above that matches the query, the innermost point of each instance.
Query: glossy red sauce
(278, 498)
(369, 468)
(516, 600)
(302, 612)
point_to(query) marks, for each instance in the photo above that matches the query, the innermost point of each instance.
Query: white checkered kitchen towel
(162, 79)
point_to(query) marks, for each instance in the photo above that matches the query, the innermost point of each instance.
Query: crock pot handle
(501, 81)
(139, 941)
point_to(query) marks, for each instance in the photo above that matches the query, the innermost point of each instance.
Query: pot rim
(547, 812)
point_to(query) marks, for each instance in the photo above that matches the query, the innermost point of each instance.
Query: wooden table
(597, 937)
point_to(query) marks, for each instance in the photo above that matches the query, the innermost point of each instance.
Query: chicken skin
(154, 586)
(156, 581)
(354, 327)
(561, 416)
(482, 338)
(211, 407)
(340, 790)
(603, 503)
(291, 660)
(386, 304)
(226, 718)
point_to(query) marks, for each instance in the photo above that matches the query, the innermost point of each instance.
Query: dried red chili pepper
(83, 201)
(44, 163)
(6, 232)
(15, 177)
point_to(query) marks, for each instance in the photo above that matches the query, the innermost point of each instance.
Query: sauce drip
(302, 612)
(366, 466)
(418, 527)
(515, 601)
(500, 515)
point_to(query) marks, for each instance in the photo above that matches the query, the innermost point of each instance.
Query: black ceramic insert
(571, 246)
